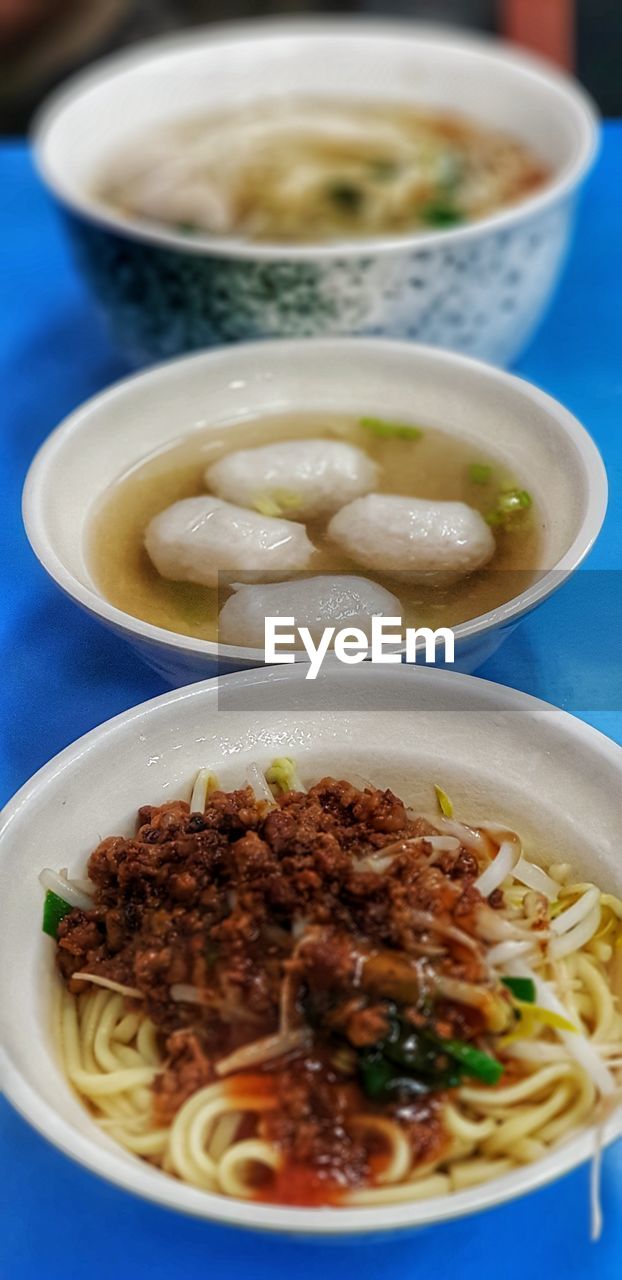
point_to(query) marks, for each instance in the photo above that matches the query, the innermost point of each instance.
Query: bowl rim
(577, 102)
(317, 1222)
(34, 491)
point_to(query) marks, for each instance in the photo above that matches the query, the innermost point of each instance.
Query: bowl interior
(499, 754)
(209, 71)
(540, 442)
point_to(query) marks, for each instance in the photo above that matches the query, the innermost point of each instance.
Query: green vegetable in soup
(279, 502)
(347, 196)
(510, 504)
(391, 430)
(440, 213)
(480, 473)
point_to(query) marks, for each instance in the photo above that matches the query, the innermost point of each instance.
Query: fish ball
(196, 539)
(316, 603)
(419, 538)
(300, 479)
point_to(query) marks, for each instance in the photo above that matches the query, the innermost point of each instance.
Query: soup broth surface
(304, 171)
(434, 464)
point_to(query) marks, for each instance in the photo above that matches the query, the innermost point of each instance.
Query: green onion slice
(391, 430)
(54, 910)
(474, 1061)
(510, 503)
(480, 473)
(521, 988)
(440, 213)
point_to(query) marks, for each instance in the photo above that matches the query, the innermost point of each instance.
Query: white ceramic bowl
(543, 444)
(499, 753)
(479, 288)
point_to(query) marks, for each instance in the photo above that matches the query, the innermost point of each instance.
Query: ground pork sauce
(288, 912)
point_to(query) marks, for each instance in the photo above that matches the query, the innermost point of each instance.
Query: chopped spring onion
(283, 775)
(377, 1073)
(266, 506)
(54, 910)
(407, 1062)
(510, 503)
(474, 1061)
(346, 195)
(440, 213)
(444, 803)
(511, 500)
(391, 430)
(277, 503)
(480, 473)
(521, 988)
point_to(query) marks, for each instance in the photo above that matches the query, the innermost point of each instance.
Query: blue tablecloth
(62, 675)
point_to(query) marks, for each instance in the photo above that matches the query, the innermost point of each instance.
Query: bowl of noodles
(330, 961)
(326, 176)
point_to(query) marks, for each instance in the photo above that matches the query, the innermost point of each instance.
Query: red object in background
(546, 26)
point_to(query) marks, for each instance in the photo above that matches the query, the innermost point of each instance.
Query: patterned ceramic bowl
(479, 288)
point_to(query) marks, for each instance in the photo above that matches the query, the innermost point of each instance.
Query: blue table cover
(62, 675)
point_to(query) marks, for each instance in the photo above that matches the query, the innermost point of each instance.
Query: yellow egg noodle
(563, 1061)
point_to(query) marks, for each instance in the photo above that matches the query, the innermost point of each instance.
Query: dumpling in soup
(300, 479)
(415, 537)
(324, 601)
(198, 538)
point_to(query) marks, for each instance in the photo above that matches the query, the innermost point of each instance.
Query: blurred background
(42, 41)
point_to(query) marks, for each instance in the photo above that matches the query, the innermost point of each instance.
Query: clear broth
(436, 465)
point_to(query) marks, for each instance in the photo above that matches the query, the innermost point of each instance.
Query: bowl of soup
(332, 481)
(244, 901)
(295, 179)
